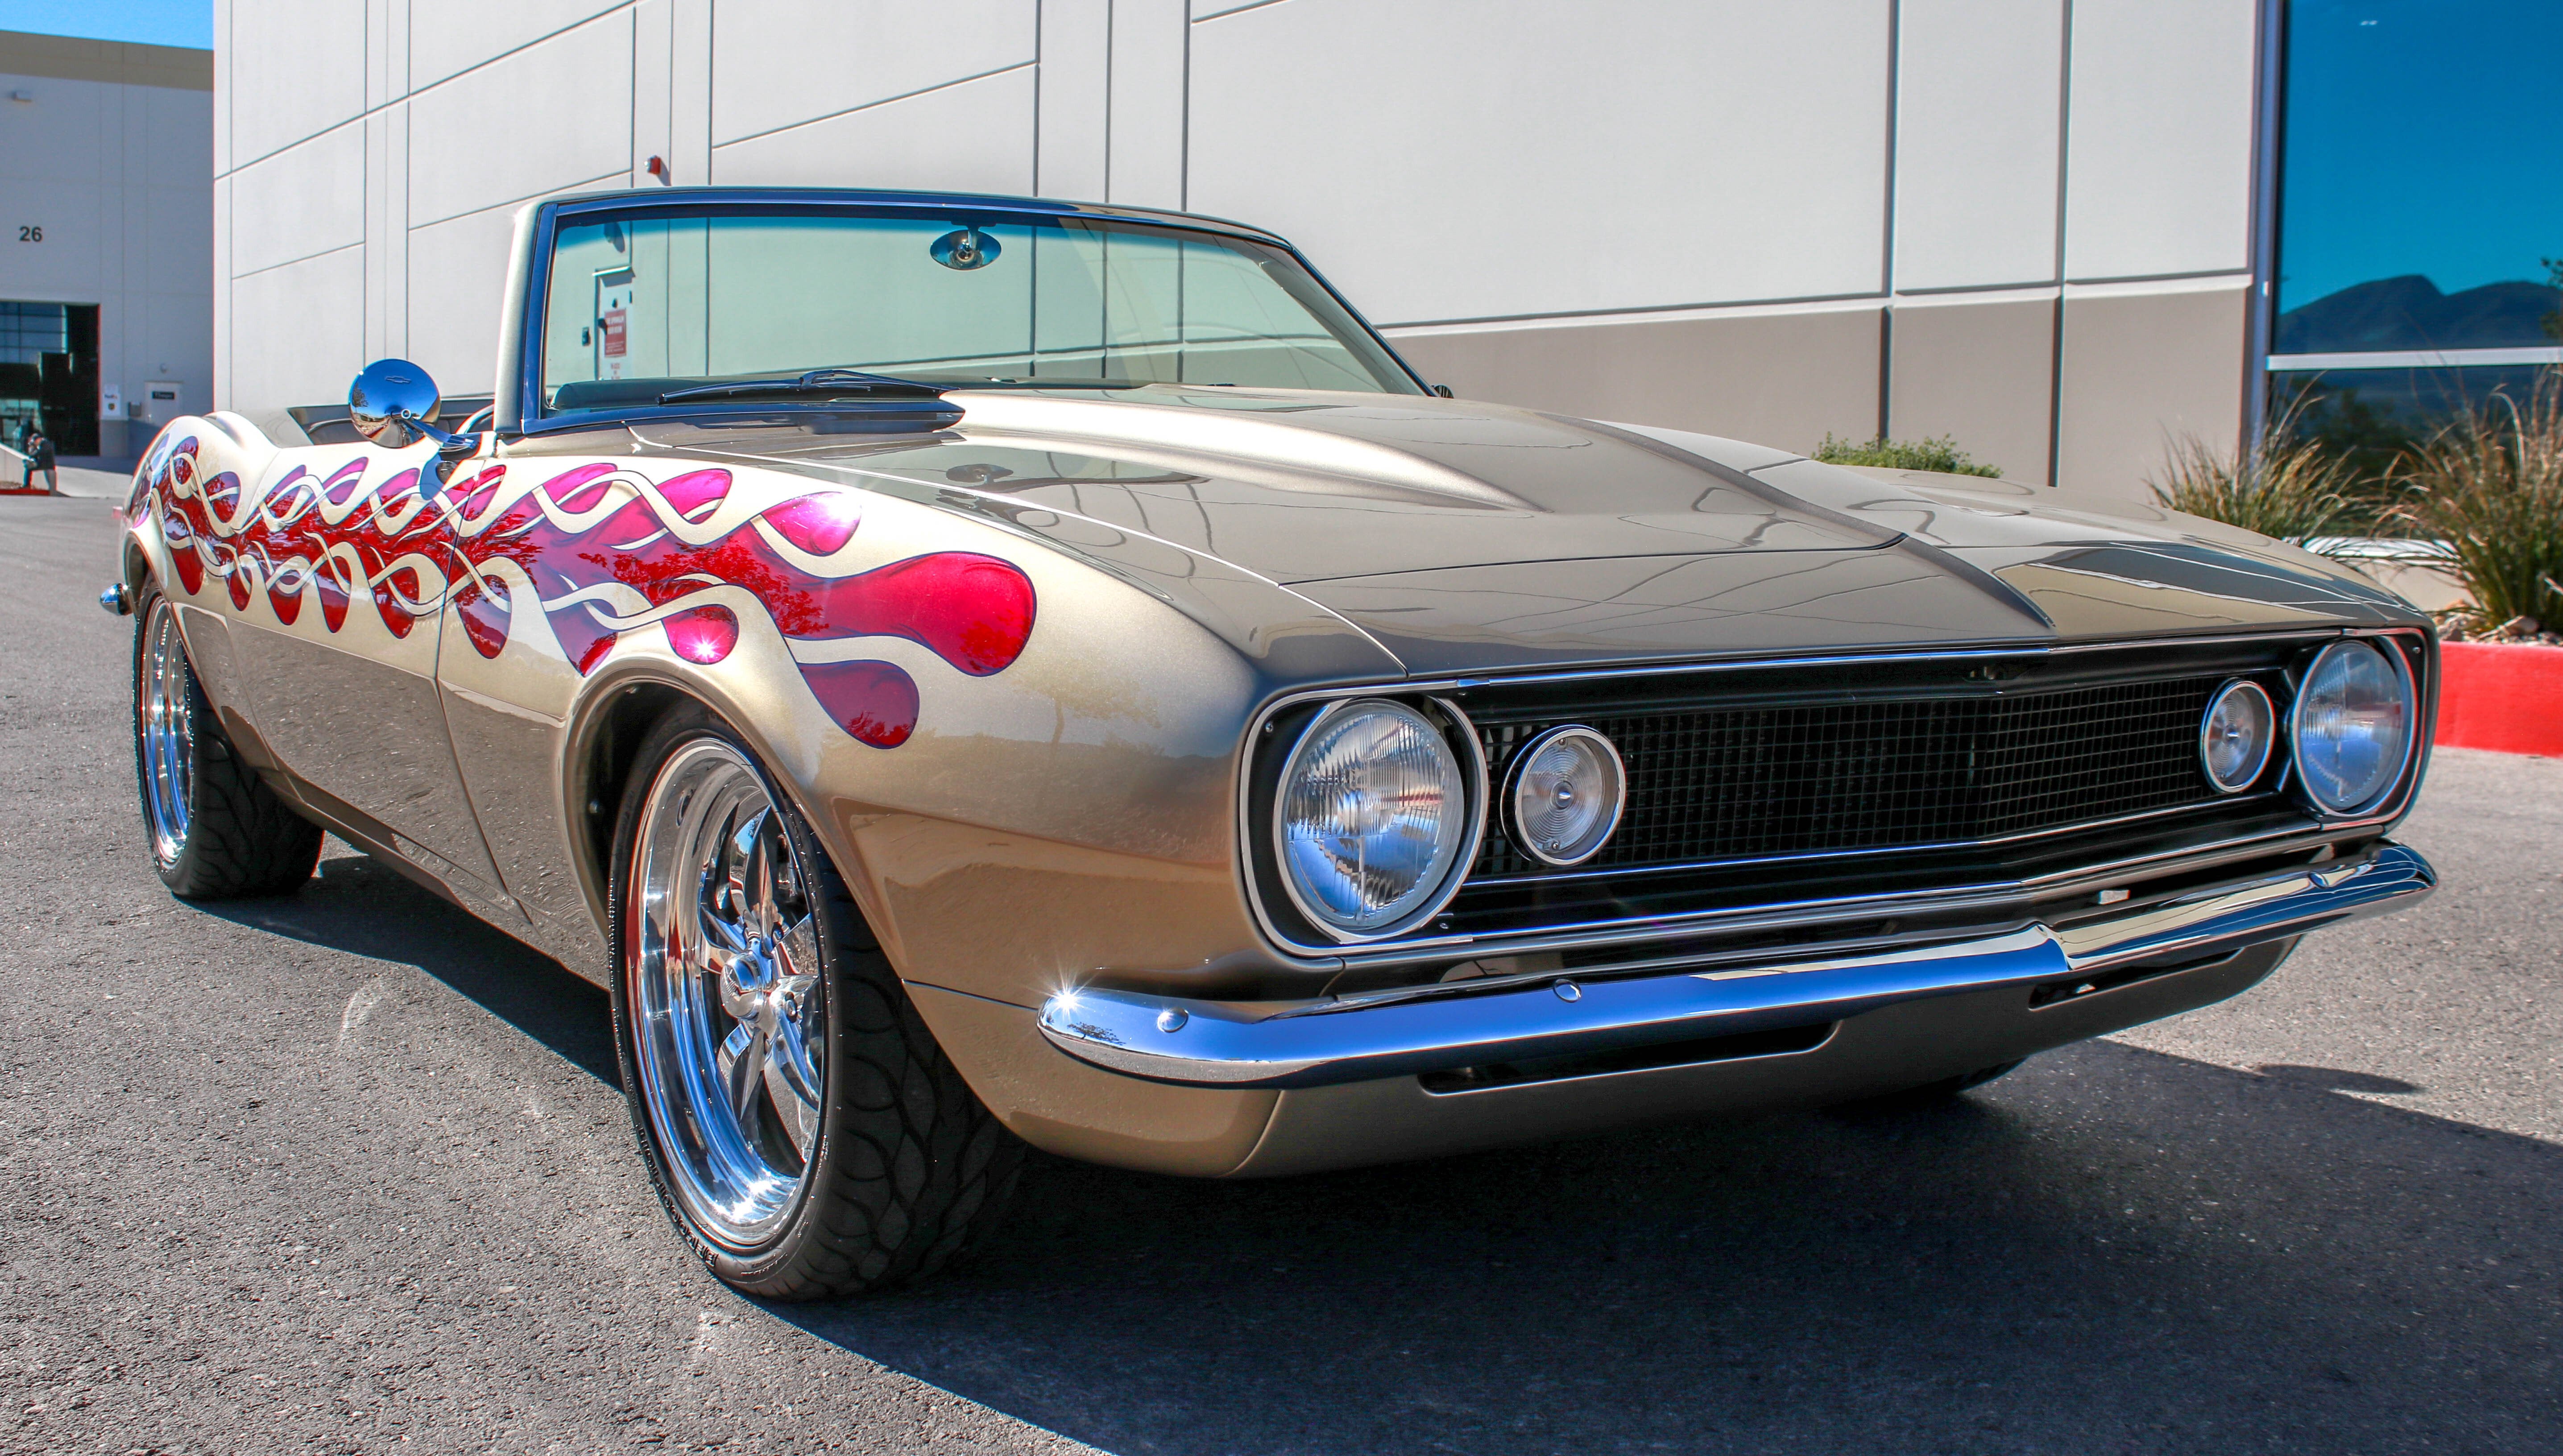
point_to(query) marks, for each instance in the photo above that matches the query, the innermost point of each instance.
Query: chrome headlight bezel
(1458, 737)
(1522, 759)
(2271, 727)
(2413, 728)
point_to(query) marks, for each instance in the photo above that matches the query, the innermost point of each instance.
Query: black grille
(1719, 783)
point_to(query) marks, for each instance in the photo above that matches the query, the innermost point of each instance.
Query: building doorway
(49, 374)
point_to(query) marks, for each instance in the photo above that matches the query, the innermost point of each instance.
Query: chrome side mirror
(393, 404)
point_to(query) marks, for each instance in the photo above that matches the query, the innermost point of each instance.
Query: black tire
(910, 1171)
(241, 837)
(1930, 1094)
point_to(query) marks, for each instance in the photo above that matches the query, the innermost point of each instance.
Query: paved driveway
(345, 1171)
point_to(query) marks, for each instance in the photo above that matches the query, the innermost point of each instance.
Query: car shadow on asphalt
(2112, 1250)
(358, 905)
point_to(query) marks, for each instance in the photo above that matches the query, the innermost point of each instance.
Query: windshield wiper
(1047, 381)
(833, 382)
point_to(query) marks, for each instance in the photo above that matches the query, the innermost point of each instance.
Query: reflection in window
(2372, 417)
(2418, 203)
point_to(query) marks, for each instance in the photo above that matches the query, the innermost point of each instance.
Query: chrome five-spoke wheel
(804, 1128)
(726, 993)
(215, 828)
(168, 733)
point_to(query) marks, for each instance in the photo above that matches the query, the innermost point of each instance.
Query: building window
(2418, 208)
(49, 373)
(2420, 243)
(30, 331)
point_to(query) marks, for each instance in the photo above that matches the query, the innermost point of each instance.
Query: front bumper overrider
(1450, 1027)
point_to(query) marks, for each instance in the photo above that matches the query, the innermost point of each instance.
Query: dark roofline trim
(116, 63)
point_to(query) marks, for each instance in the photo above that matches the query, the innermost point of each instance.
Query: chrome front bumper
(1448, 1028)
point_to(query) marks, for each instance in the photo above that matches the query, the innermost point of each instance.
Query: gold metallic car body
(1198, 555)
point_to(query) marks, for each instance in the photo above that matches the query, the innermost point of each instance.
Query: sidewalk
(75, 481)
(96, 485)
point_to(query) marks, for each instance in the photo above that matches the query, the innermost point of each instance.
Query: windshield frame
(531, 289)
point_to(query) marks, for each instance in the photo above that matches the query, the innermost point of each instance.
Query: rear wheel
(217, 830)
(803, 1128)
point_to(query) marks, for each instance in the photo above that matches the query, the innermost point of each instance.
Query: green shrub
(1903, 454)
(2490, 484)
(2288, 484)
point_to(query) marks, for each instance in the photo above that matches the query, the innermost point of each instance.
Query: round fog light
(1568, 791)
(2235, 738)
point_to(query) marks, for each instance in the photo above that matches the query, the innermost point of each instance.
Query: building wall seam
(923, 91)
(623, 8)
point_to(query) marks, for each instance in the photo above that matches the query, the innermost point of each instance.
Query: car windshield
(644, 305)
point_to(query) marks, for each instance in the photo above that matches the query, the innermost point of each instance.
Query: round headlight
(2351, 727)
(2235, 737)
(1371, 817)
(1566, 793)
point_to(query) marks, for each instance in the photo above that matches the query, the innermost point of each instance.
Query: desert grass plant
(1940, 454)
(2286, 484)
(2489, 482)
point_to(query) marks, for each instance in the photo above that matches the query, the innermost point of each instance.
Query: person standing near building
(40, 457)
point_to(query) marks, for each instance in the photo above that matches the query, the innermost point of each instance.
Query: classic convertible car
(968, 672)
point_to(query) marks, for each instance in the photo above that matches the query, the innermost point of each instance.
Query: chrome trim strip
(1678, 866)
(1856, 658)
(1592, 933)
(1785, 914)
(1200, 1043)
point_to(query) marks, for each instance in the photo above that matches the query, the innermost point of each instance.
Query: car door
(523, 530)
(337, 639)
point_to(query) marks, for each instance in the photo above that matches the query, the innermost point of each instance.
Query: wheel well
(611, 746)
(606, 771)
(138, 567)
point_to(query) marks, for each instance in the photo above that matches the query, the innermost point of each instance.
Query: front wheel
(802, 1126)
(217, 829)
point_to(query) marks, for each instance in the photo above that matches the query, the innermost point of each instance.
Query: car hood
(1465, 536)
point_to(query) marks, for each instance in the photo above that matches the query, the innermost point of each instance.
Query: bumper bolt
(1172, 1019)
(1568, 991)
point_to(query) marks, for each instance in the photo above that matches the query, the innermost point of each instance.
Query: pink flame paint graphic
(588, 539)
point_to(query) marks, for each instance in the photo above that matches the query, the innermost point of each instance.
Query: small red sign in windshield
(614, 333)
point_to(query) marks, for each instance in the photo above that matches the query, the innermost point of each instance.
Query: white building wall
(2024, 223)
(109, 153)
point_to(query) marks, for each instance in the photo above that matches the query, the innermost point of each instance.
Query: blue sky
(2424, 136)
(151, 22)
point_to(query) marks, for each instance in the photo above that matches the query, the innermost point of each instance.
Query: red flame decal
(974, 612)
(874, 702)
(580, 489)
(705, 634)
(337, 539)
(696, 493)
(817, 524)
(482, 606)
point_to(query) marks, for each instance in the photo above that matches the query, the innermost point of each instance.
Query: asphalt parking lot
(345, 1171)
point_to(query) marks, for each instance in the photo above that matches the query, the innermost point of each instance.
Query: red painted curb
(2506, 696)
